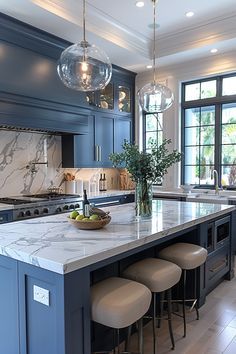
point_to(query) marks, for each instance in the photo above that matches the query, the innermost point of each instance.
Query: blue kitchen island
(47, 267)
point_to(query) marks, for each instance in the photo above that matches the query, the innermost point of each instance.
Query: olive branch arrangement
(146, 166)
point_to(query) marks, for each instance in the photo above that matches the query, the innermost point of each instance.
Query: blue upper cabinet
(106, 135)
(117, 97)
(35, 98)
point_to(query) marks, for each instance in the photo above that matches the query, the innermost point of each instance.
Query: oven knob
(66, 207)
(58, 210)
(45, 210)
(28, 213)
(72, 206)
(21, 214)
(77, 206)
(36, 212)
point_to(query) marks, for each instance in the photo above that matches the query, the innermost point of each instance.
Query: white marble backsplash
(19, 149)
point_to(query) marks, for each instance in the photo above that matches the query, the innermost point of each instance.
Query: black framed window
(153, 131)
(209, 130)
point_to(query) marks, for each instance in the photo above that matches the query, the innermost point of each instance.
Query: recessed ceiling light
(214, 50)
(189, 14)
(149, 66)
(139, 3)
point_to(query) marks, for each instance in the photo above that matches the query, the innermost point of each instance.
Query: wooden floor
(214, 333)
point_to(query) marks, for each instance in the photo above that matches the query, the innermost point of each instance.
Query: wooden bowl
(90, 225)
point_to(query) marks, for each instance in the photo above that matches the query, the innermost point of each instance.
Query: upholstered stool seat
(118, 302)
(158, 275)
(187, 256)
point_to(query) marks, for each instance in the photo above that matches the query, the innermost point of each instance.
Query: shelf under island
(47, 267)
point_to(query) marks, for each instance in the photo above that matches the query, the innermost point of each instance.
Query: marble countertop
(54, 244)
(4, 206)
(109, 193)
(230, 195)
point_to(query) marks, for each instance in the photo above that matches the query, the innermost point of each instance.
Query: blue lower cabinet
(9, 323)
(6, 216)
(61, 325)
(31, 325)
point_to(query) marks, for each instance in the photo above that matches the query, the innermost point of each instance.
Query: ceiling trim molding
(109, 28)
(218, 30)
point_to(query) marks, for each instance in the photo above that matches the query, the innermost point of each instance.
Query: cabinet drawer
(217, 266)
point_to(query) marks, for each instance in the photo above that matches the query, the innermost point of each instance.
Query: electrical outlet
(41, 295)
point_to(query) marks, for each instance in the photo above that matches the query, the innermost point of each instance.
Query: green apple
(94, 217)
(74, 214)
(85, 219)
(79, 217)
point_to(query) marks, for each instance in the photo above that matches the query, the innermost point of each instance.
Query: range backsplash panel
(19, 149)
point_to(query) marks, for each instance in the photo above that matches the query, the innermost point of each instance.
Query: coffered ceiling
(124, 30)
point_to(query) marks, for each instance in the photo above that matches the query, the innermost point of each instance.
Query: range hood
(32, 97)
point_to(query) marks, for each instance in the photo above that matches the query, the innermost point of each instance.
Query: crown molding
(109, 28)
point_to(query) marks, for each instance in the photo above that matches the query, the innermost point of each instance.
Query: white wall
(173, 76)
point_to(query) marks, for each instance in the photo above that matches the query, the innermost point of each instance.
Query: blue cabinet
(104, 139)
(106, 135)
(6, 216)
(9, 325)
(122, 131)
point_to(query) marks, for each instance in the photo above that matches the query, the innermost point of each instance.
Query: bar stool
(159, 276)
(187, 256)
(118, 303)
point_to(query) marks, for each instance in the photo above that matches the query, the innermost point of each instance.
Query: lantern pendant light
(84, 67)
(154, 97)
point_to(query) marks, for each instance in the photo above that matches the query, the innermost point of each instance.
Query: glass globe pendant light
(84, 67)
(154, 97)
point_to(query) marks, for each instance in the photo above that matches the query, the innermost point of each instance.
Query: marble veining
(53, 243)
(17, 150)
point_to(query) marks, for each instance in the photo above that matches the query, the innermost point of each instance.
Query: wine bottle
(104, 182)
(86, 206)
(101, 183)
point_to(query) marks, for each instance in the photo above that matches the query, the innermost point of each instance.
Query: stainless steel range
(31, 206)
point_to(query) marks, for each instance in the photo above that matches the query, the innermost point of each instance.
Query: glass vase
(143, 199)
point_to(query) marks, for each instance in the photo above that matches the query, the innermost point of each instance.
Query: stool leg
(195, 293)
(160, 315)
(184, 297)
(154, 323)
(118, 341)
(169, 318)
(140, 336)
(128, 338)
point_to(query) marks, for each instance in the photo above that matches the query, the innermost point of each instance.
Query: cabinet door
(104, 142)
(9, 323)
(78, 150)
(123, 131)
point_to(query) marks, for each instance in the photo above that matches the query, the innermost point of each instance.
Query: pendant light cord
(154, 42)
(84, 40)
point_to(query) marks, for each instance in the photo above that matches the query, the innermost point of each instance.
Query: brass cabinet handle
(220, 266)
(99, 153)
(96, 153)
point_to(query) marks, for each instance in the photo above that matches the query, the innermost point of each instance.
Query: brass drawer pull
(218, 267)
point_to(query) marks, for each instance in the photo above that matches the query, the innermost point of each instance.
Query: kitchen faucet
(216, 181)
(31, 166)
